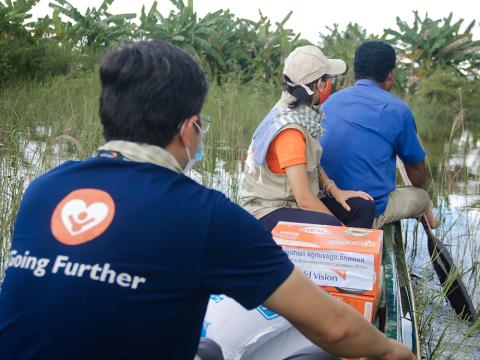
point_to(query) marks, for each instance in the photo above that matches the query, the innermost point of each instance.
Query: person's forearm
(329, 323)
(327, 184)
(352, 336)
(323, 178)
(417, 173)
(359, 337)
(418, 179)
(308, 201)
(298, 179)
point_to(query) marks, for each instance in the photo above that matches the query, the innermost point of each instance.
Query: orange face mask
(325, 93)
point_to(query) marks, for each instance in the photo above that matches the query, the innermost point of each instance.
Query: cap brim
(336, 67)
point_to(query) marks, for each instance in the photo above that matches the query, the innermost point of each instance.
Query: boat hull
(397, 314)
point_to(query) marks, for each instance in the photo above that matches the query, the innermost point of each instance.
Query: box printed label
(330, 258)
(339, 259)
(335, 268)
(322, 276)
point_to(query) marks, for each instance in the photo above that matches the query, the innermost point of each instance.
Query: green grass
(443, 334)
(235, 110)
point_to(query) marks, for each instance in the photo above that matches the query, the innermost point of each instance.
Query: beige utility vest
(264, 191)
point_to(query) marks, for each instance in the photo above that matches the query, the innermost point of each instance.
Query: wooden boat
(396, 315)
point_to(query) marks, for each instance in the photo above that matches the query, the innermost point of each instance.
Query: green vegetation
(220, 41)
(341, 44)
(25, 52)
(450, 338)
(430, 44)
(438, 52)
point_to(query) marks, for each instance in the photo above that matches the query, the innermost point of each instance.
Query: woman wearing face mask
(283, 178)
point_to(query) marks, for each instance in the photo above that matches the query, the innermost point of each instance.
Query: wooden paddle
(443, 264)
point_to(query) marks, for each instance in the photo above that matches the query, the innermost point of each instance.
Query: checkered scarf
(308, 117)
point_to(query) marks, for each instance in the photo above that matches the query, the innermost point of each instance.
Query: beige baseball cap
(307, 63)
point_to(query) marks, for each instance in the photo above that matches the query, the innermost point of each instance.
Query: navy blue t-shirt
(117, 259)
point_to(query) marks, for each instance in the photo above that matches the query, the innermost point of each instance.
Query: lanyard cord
(111, 155)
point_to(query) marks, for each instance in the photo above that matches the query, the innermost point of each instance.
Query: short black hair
(300, 95)
(374, 59)
(148, 89)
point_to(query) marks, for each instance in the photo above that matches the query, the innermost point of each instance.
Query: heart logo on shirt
(82, 216)
(78, 217)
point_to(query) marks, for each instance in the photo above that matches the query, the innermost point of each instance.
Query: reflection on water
(464, 166)
(227, 182)
(467, 154)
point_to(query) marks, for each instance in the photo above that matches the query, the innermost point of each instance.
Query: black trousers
(297, 215)
(361, 214)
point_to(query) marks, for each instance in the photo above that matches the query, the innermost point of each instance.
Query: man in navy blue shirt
(367, 127)
(114, 257)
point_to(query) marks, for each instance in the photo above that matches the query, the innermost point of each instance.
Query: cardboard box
(365, 305)
(339, 259)
(346, 262)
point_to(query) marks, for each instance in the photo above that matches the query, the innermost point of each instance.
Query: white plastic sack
(242, 333)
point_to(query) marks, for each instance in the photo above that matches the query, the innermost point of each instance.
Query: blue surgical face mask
(192, 161)
(199, 154)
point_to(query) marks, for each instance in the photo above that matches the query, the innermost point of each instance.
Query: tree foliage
(429, 44)
(223, 43)
(23, 49)
(96, 29)
(186, 30)
(341, 44)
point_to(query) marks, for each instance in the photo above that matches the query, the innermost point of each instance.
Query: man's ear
(388, 83)
(391, 75)
(187, 128)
